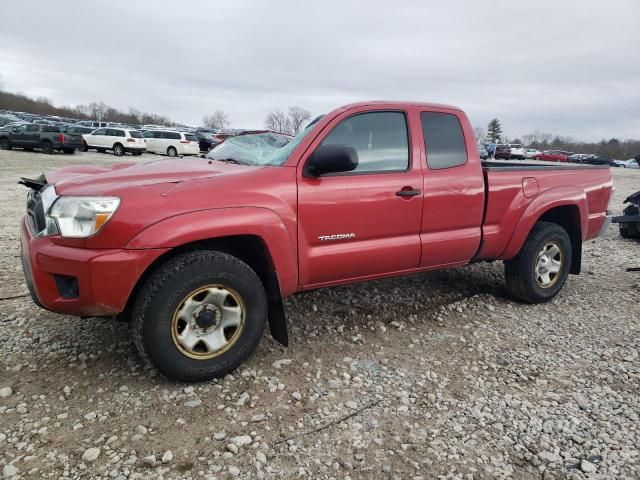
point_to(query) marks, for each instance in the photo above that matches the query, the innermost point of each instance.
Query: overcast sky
(567, 67)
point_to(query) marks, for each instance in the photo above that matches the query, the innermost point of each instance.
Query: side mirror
(331, 159)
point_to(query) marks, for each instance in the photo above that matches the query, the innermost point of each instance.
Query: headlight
(80, 217)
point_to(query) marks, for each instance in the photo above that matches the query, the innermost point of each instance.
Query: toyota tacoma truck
(199, 254)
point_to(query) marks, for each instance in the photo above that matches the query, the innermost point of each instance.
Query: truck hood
(96, 180)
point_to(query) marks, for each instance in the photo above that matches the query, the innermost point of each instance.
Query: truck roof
(398, 103)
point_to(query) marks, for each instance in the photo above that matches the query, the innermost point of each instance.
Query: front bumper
(104, 278)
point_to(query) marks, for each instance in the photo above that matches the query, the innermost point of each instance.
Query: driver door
(357, 224)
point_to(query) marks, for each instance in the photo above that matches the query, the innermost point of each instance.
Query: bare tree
(278, 121)
(297, 117)
(479, 133)
(218, 120)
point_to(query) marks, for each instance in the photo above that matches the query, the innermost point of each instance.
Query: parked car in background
(599, 160)
(47, 138)
(92, 123)
(578, 157)
(503, 151)
(531, 152)
(552, 156)
(171, 142)
(482, 151)
(517, 151)
(119, 140)
(7, 118)
(79, 130)
(206, 140)
(631, 163)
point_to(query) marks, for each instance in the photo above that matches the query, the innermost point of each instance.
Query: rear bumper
(135, 149)
(103, 279)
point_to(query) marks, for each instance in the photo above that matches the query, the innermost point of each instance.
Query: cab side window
(33, 128)
(444, 140)
(100, 131)
(380, 138)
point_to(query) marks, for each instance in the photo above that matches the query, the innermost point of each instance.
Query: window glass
(100, 131)
(157, 134)
(190, 137)
(33, 128)
(171, 135)
(379, 138)
(135, 134)
(444, 140)
(148, 134)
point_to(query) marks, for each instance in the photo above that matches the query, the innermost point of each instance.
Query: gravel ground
(435, 375)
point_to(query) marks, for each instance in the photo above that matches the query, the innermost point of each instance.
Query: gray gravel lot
(435, 375)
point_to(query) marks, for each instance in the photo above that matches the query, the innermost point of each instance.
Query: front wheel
(541, 268)
(199, 316)
(118, 150)
(172, 152)
(5, 144)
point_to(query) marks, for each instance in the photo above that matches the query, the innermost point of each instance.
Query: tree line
(612, 147)
(93, 111)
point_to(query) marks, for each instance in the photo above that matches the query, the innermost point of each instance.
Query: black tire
(164, 293)
(118, 150)
(520, 272)
(172, 152)
(5, 144)
(84, 148)
(46, 147)
(631, 229)
(69, 151)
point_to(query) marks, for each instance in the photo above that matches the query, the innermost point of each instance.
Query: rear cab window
(444, 140)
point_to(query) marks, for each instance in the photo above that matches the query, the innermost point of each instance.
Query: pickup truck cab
(199, 253)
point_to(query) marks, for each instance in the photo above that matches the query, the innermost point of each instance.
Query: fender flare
(546, 201)
(215, 223)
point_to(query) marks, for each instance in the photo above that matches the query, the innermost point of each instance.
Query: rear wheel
(541, 268)
(172, 152)
(5, 144)
(46, 147)
(118, 150)
(199, 316)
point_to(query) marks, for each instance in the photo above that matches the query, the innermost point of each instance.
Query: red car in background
(553, 156)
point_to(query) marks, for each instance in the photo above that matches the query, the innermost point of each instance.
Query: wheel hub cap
(548, 265)
(208, 322)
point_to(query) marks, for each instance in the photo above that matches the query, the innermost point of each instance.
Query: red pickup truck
(198, 254)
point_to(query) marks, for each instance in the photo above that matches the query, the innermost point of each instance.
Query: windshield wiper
(232, 160)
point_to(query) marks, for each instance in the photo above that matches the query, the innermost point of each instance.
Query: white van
(171, 142)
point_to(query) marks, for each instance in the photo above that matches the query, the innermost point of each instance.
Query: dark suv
(47, 138)
(503, 151)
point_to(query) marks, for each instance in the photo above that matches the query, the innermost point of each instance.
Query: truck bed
(518, 190)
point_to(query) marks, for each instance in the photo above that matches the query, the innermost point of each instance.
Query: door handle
(408, 192)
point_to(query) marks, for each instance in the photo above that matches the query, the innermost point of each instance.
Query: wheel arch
(256, 236)
(565, 208)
